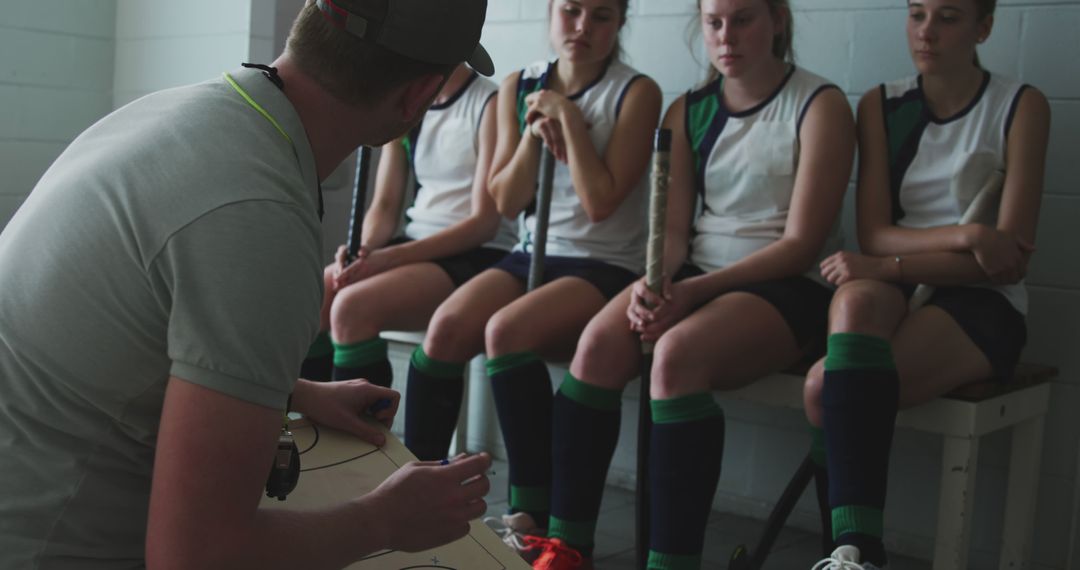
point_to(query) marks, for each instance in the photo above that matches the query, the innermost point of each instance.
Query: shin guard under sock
(366, 359)
(860, 399)
(522, 388)
(432, 405)
(319, 361)
(585, 430)
(686, 448)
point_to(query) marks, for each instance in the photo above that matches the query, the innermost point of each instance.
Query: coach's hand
(344, 405)
(426, 504)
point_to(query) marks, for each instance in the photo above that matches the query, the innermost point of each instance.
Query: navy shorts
(608, 279)
(464, 266)
(988, 319)
(801, 301)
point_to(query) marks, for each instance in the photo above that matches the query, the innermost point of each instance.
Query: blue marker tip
(379, 406)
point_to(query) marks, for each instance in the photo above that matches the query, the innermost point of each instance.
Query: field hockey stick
(543, 212)
(359, 200)
(654, 279)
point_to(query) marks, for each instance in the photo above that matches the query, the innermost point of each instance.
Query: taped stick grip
(543, 212)
(359, 200)
(654, 254)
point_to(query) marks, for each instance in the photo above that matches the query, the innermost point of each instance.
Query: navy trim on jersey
(903, 154)
(457, 94)
(526, 86)
(591, 84)
(806, 107)
(618, 105)
(762, 104)
(712, 134)
(1012, 110)
(967, 109)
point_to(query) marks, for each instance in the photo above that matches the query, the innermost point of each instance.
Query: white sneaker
(845, 557)
(513, 529)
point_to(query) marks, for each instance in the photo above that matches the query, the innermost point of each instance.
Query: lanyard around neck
(266, 114)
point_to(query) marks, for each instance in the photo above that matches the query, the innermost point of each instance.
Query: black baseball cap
(433, 31)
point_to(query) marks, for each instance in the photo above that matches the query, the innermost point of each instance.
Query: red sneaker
(556, 555)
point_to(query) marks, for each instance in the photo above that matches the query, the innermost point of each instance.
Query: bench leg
(1020, 497)
(959, 462)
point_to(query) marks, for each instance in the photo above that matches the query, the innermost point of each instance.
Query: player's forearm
(458, 238)
(514, 185)
(325, 539)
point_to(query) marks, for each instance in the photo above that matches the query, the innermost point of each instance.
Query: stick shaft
(359, 200)
(543, 212)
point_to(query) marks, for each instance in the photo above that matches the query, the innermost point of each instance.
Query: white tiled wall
(56, 72)
(161, 43)
(64, 63)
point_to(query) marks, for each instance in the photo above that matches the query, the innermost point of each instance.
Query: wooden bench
(962, 418)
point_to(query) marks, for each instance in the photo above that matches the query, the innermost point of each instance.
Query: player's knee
(503, 335)
(856, 306)
(671, 357)
(350, 321)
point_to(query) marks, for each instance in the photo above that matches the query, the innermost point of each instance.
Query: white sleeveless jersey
(619, 239)
(927, 153)
(443, 151)
(745, 165)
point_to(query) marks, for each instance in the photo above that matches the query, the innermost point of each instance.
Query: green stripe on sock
(436, 368)
(360, 353)
(685, 409)
(532, 499)
(849, 351)
(661, 561)
(817, 446)
(578, 534)
(321, 346)
(590, 396)
(508, 361)
(855, 518)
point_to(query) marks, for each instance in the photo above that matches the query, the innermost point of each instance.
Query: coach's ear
(417, 96)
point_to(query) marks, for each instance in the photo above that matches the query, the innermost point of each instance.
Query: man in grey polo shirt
(160, 287)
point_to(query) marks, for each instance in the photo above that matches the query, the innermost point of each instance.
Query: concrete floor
(794, 549)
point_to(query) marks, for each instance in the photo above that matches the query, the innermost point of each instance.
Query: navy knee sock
(432, 405)
(821, 487)
(686, 448)
(585, 430)
(366, 359)
(522, 388)
(860, 399)
(319, 361)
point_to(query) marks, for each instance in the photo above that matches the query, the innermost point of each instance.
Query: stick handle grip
(658, 193)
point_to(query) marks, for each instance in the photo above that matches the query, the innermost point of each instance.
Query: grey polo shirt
(177, 236)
